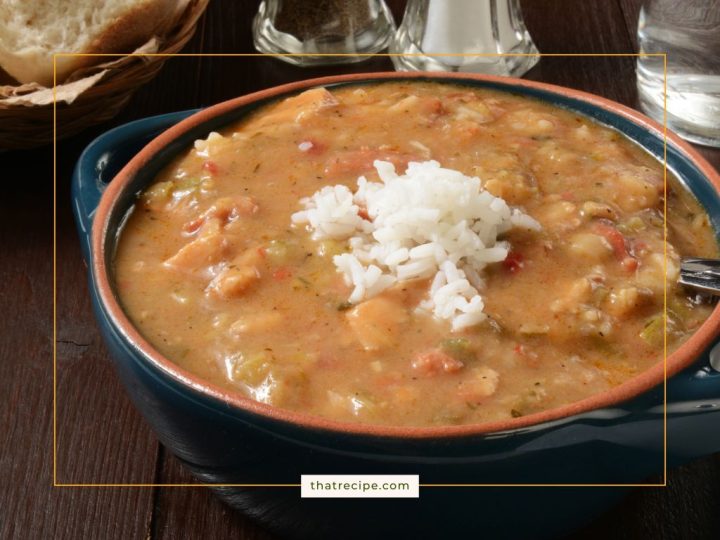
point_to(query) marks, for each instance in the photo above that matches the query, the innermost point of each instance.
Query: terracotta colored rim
(680, 359)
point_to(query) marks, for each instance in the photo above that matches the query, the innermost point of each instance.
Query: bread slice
(32, 30)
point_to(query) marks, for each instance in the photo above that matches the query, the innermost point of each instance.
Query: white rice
(429, 222)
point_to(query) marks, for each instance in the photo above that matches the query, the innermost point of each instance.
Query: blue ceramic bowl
(614, 438)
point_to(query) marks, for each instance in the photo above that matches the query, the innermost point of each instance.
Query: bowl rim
(681, 358)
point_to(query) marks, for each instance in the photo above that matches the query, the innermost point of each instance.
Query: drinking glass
(432, 27)
(688, 32)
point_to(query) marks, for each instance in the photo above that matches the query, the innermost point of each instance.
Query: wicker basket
(109, 87)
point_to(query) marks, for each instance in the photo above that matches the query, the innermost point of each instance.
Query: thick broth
(211, 271)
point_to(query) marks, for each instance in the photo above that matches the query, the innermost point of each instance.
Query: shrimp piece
(435, 362)
(238, 277)
(376, 322)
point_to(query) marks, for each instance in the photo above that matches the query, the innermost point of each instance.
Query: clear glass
(348, 27)
(463, 26)
(688, 32)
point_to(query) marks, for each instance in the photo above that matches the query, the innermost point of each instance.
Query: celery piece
(330, 248)
(277, 251)
(633, 225)
(254, 368)
(458, 348)
(207, 184)
(285, 251)
(677, 313)
(161, 192)
(158, 193)
(599, 294)
(300, 283)
(652, 333)
(530, 401)
(301, 359)
(679, 307)
(186, 184)
(655, 220)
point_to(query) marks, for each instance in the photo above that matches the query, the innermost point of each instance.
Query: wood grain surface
(100, 437)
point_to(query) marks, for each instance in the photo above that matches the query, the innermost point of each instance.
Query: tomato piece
(211, 167)
(282, 273)
(614, 237)
(618, 242)
(529, 357)
(513, 262)
(191, 227)
(363, 213)
(630, 263)
(434, 107)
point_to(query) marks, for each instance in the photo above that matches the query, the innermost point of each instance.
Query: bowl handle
(693, 408)
(103, 159)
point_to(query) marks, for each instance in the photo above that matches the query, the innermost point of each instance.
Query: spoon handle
(703, 274)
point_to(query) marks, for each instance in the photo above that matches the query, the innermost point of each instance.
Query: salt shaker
(490, 34)
(312, 32)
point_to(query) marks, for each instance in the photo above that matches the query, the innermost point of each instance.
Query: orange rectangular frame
(140, 485)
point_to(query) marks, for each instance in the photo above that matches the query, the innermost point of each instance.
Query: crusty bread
(32, 30)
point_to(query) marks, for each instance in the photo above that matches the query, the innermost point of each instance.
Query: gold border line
(232, 55)
(200, 484)
(665, 267)
(54, 345)
(441, 55)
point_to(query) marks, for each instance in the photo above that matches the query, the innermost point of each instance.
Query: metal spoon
(702, 274)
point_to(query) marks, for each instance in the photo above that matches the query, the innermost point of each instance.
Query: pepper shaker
(312, 32)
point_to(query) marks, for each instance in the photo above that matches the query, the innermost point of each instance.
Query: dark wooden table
(100, 437)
